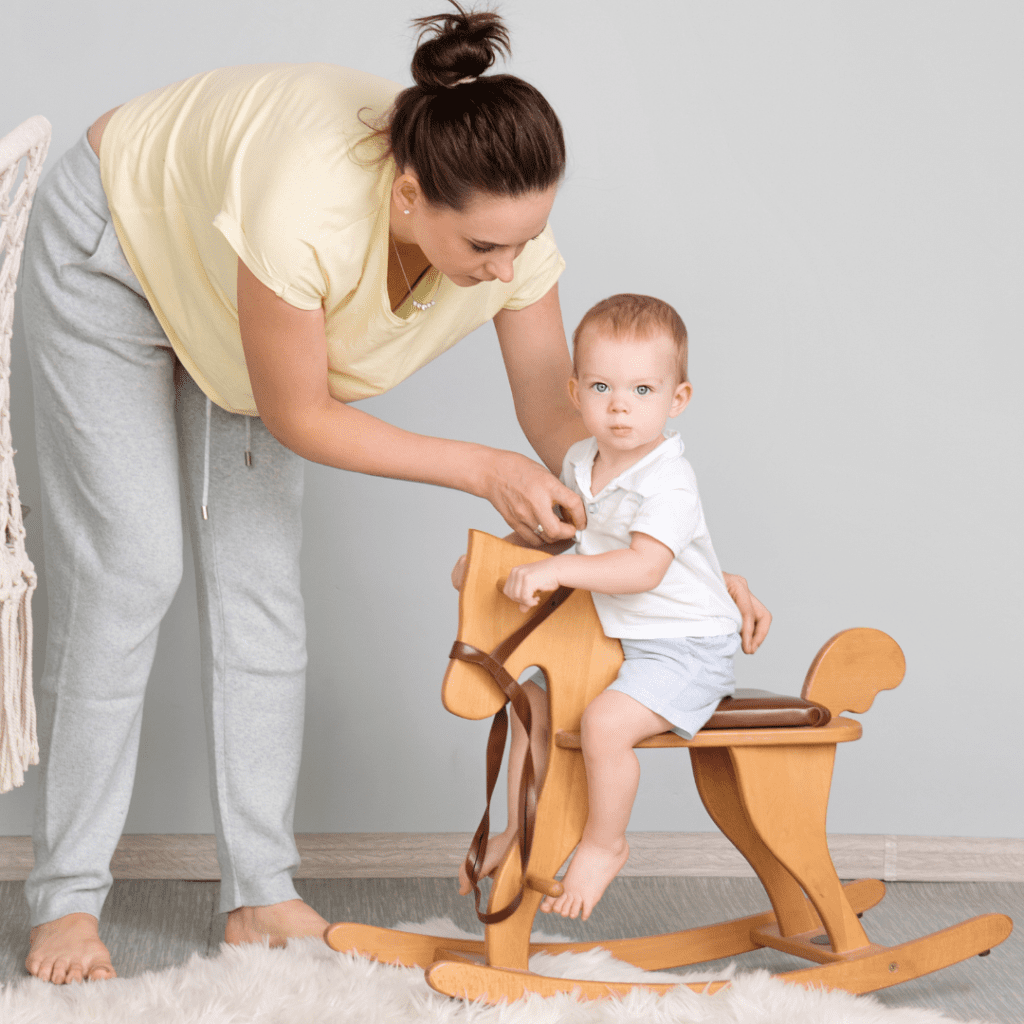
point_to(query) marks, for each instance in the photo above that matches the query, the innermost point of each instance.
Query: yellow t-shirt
(264, 164)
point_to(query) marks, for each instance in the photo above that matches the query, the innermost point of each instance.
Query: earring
(406, 211)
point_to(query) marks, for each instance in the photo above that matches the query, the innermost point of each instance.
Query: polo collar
(631, 478)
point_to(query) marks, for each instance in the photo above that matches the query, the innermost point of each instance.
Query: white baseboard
(438, 854)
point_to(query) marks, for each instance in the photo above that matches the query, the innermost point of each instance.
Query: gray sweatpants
(121, 430)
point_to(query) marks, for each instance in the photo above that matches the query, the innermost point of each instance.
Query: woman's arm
(286, 355)
(538, 366)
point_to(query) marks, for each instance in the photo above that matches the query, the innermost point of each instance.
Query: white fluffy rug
(308, 983)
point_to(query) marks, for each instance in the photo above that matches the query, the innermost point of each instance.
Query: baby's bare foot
(592, 868)
(279, 922)
(497, 847)
(68, 950)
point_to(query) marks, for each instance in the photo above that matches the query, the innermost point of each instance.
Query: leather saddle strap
(526, 811)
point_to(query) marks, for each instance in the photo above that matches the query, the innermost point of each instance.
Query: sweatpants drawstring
(206, 460)
(206, 454)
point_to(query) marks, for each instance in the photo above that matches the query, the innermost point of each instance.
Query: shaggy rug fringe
(308, 983)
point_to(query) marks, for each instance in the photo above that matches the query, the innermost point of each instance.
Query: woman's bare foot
(279, 922)
(592, 868)
(497, 847)
(67, 950)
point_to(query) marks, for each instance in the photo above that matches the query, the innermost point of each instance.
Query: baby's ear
(681, 398)
(574, 390)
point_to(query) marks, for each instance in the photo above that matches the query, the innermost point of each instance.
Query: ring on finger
(540, 530)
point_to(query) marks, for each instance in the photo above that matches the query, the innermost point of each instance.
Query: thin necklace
(418, 305)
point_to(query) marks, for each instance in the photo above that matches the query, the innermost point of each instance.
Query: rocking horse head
(569, 646)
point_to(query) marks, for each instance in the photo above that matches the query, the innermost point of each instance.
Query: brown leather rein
(494, 665)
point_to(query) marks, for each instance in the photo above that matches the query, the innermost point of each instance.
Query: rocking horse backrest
(852, 668)
(578, 660)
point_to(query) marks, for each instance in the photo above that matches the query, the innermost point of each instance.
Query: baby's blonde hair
(639, 315)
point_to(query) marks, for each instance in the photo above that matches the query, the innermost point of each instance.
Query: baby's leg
(497, 846)
(612, 723)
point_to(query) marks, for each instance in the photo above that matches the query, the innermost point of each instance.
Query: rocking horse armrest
(851, 668)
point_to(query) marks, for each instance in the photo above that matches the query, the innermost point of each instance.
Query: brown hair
(494, 134)
(639, 315)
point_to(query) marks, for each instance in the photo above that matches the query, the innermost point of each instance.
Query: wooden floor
(149, 925)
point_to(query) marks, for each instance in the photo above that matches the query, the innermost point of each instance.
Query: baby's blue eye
(643, 389)
(602, 388)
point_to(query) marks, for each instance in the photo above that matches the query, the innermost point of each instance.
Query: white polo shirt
(656, 496)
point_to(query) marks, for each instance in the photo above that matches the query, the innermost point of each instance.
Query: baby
(647, 558)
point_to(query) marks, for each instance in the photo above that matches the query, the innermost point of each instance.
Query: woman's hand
(525, 495)
(756, 618)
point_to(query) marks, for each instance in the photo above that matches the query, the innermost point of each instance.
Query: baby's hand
(526, 583)
(459, 573)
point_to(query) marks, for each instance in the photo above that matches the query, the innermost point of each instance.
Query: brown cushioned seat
(761, 709)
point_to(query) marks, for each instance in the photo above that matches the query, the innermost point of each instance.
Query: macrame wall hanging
(21, 159)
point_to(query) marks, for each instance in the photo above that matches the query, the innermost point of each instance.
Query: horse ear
(852, 668)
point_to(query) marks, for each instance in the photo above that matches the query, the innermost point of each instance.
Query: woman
(220, 269)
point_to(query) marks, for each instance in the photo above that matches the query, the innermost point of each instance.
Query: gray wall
(830, 194)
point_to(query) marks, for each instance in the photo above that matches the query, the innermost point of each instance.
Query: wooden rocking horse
(763, 768)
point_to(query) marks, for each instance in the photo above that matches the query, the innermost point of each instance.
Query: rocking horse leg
(715, 776)
(561, 815)
(785, 791)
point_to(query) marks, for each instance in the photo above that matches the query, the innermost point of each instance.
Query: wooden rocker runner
(763, 768)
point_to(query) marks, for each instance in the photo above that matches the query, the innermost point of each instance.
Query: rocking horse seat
(747, 709)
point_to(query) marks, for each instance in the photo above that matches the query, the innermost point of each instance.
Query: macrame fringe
(19, 747)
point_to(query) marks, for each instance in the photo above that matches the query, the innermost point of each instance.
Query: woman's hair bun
(497, 136)
(457, 45)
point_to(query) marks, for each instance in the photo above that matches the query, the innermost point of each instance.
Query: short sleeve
(279, 210)
(300, 290)
(672, 517)
(537, 268)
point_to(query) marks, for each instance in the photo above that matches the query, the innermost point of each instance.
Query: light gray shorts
(680, 678)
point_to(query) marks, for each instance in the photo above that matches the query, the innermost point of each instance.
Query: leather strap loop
(526, 812)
